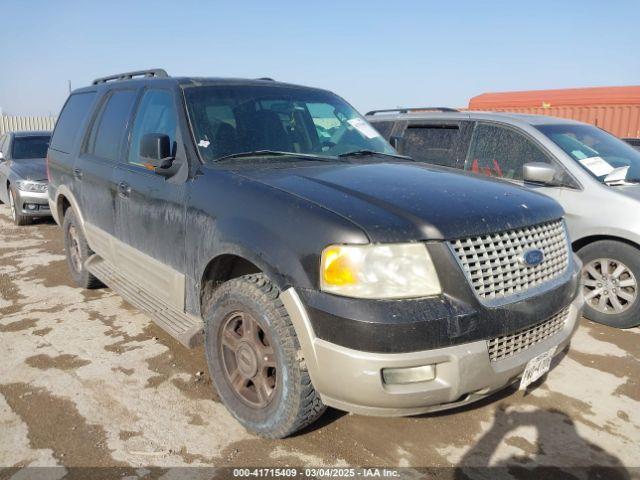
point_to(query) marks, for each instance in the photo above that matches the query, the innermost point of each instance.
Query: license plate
(536, 368)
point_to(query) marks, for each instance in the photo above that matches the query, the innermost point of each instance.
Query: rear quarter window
(107, 132)
(71, 121)
(435, 144)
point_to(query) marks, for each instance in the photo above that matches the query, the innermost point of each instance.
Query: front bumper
(351, 380)
(33, 204)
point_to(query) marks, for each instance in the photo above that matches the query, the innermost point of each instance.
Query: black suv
(321, 267)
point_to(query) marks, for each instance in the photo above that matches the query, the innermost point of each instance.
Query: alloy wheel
(609, 286)
(249, 360)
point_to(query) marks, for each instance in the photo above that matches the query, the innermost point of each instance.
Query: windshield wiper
(366, 153)
(269, 153)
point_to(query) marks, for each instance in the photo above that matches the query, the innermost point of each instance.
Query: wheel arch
(222, 268)
(64, 200)
(588, 240)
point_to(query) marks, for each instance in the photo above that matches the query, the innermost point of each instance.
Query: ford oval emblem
(533, 257)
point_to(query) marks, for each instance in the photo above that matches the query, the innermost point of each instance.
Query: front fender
(266, 249)
(263, 247)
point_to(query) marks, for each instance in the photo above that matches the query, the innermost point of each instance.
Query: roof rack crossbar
(414, 109)
(153, 72)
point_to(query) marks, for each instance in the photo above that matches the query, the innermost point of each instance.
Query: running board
(185, 328)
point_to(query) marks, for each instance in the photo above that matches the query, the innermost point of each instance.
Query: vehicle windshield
(237, 119)
(30, 147)
(600, 153)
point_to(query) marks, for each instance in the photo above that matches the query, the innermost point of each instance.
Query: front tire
(77, 251)
(16, 215)
(610, 279)
(255, 360)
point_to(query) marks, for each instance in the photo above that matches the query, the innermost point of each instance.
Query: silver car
(592, 174)
(23, 174)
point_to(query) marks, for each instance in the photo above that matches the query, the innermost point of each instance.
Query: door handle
(77, 174)
(124, 190)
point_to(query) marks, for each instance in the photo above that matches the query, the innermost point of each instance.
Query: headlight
(379, 271)
(31, 186)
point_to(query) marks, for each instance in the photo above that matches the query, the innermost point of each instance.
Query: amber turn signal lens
(337, 268)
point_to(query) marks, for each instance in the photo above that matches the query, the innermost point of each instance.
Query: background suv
(323, 268)
(23, 174)
(592, 174)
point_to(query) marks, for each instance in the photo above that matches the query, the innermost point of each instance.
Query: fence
(12, 123)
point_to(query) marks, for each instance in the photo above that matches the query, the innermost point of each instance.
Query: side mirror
(155, 151)
(539, 172)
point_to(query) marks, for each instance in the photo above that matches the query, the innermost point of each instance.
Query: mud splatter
(8, 290)
(42, 332)
(630, 388)
(196, 420)
(127, 434)
(55, 423)
(25, 324)
(173, 365)
(61, 362)
(53, 274)
(624, 339)
(127, 371)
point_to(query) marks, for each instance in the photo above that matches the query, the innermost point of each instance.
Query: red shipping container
(615, 109)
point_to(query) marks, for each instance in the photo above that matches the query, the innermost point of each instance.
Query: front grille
(507, 346)
(493, 263)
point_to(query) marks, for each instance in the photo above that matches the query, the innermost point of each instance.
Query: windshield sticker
(578, 154)
(618, 175)
(363, 127)
(598, 166)
(204, 143)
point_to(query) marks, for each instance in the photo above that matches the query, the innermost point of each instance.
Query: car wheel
(610, 277)
(77, 251)
(255, 360)
(18, 217)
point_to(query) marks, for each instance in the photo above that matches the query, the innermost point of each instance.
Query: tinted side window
(71, 121)
(436, 144)
(383, 128)
(156, 114)
(501, 152)
(108, 130)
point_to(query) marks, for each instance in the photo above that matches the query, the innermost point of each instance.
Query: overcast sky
(375, 54)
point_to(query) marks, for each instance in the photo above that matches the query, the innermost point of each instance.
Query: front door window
(501, 152)
(156, 114)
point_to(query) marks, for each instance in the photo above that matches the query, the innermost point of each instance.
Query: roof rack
(152, 72)
(416, 109)
(266, 78)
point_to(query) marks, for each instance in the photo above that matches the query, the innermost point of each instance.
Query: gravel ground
(87, 380)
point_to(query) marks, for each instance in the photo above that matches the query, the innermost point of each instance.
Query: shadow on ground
(555, 432)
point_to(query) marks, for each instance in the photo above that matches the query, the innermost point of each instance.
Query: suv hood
(632, 191)
(395, 202)
(31, 169)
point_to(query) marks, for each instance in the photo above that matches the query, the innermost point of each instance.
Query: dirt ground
(86, 380)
